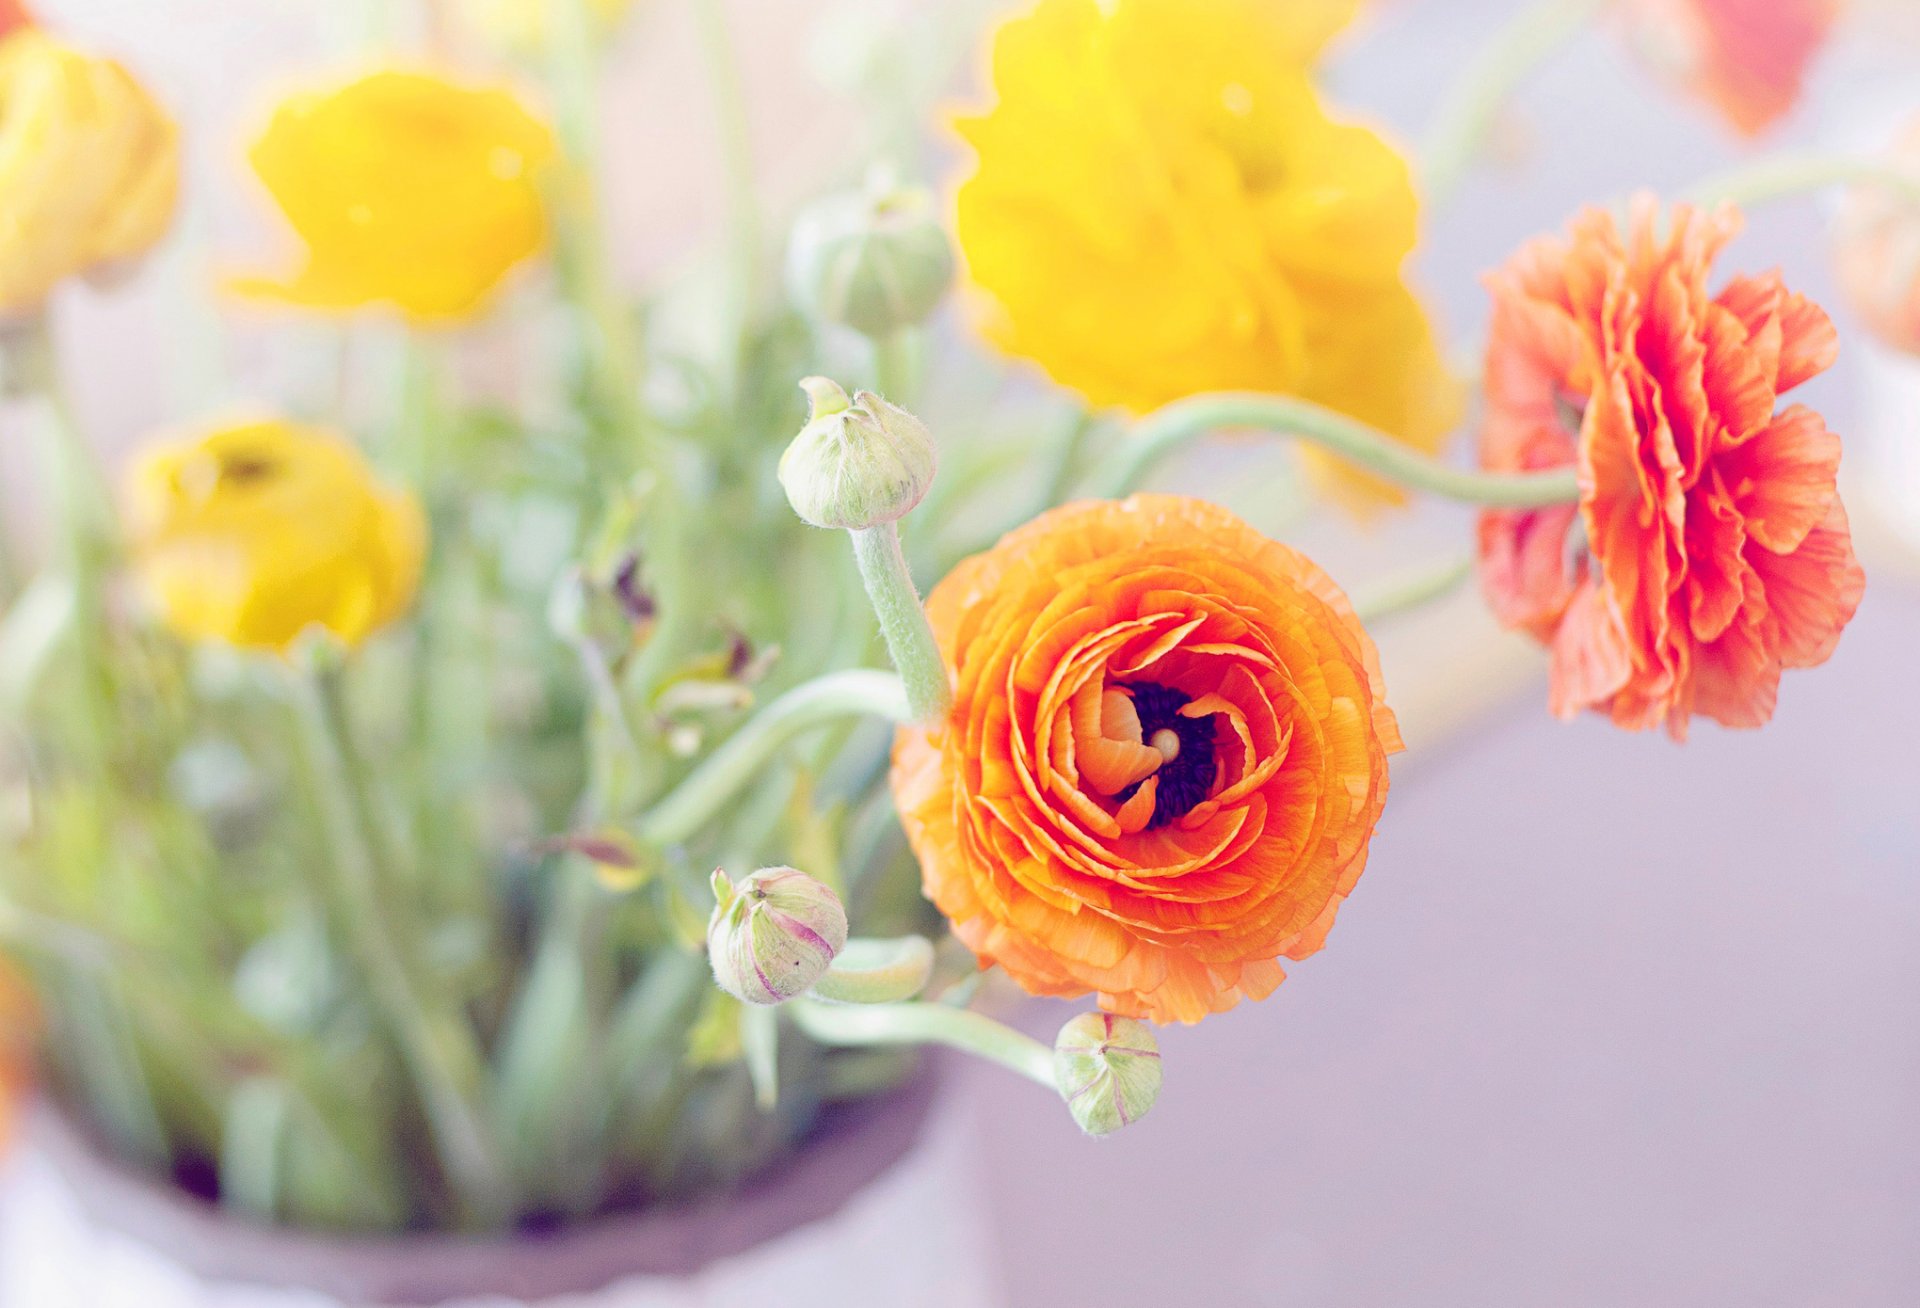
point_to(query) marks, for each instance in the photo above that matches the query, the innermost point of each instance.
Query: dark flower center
(1187, 778)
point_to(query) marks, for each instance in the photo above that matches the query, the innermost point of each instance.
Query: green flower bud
(857, 463)
(773, 935)
(1107, 1069)
(875, 260)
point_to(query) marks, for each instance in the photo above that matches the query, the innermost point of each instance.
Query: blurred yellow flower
(1161, 207)
(251, 534)
(525, 25)
(89, 166)
(408, 190)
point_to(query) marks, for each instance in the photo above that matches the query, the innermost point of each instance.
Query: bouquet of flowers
(370, 754)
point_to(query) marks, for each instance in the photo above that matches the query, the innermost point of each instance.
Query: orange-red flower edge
(1747, 58)
(1709, 549)
(1165, 759)
(18, 1025)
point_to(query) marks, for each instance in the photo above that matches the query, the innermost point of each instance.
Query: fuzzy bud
(1107, 1069)
(858, 462)
(875, 260)
(773, 935)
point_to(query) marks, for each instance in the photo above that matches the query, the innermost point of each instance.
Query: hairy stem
(902, 621)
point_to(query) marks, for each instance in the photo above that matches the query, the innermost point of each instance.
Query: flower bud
(875, 260)
(773, 935)
(609, 611)
(857, 463)
(1107, 1069)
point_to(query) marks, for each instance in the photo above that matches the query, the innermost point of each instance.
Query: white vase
(883, 1211)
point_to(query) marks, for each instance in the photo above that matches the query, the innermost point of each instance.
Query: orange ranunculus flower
(1166, 755)
(13, 14)
(1877, 243)
(1747, 58)
(1709, 549)
(18, 1023)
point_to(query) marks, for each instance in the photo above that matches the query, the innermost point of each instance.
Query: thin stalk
(1467, 114)
(709, 788)
(1800, 174)
(613, 347)
(1413, 590)
(736, 155)
(1184, 421)
(893, 366)
(1063, 460)
(865, 1025)
(436, 1044)
(84, 519)
(903, 622)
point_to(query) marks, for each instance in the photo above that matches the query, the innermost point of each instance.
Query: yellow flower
(1161, 206)
(524, 25)
(251, 534)
(89, 166)
(408, 190)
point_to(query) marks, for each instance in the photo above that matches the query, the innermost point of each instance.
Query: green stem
(893, 366)
(736, 155)
(708, 789)
(1411, 591)
(437, 1045)
(1184, 421)
(84, 518)
(1799, 174)
(902, 621)
(1063, 460)
(865, 1025)
(1472, 104)
(870, 971)
(613, 346)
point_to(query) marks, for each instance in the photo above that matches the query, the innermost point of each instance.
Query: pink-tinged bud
(774, 935)
(1107, 1069)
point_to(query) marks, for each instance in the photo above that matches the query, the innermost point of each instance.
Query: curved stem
(1184, 421)
(1472, 104)
(903, 622)
(1799, 174)
(1399, 594)
(708, 789)
(863, 1025)
(878, 971)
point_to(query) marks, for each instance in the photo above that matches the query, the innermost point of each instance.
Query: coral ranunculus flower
(1877, 242)
(1164, 762)
(1748, 58)
(1709, 549)
(408, 190)
(89, 165)
(251, 534)
(1162, 207)
(18, 1024)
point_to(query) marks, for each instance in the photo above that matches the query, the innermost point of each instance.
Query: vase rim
(853, 1145)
